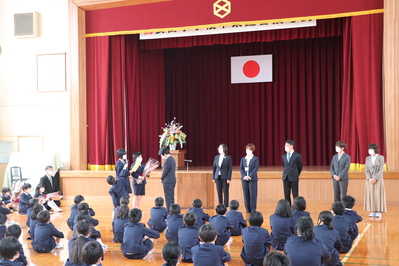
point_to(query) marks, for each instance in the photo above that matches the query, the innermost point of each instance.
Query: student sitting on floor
(299, 208)
(207, 253)
(158, 216)
(276, 258)
(121, 218)
(15, 231)
(220, 222)
(46, 237)
(188, 236)
(24, 198)
(74, 210)
(281, 224)
(352, 215)
(83, 206)
(138, 240)
(122, 201)
(47, 202)
(174, 221)
(84, 214)
(33, 219)
(343, 225)
(9, 251)
(202, 217)
(171, 254)
(92, 253)
(2, 226)
(235, 218)
(32, 203)
(6, 198)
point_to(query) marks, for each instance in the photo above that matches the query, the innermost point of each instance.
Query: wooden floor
(378, 243)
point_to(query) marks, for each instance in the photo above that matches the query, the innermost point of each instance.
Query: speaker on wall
(26, 25)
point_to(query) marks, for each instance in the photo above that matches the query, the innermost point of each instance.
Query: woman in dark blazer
(221, 174)
(249, 176)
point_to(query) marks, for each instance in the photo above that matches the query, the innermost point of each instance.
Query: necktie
(289, 157)
(51, 180)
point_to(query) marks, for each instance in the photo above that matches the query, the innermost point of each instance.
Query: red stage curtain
(324, 28)
(362, 100)
(300, 104)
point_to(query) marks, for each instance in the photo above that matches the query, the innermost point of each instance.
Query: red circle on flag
(251, 69)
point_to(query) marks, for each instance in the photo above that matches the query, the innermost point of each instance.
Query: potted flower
(172, 135)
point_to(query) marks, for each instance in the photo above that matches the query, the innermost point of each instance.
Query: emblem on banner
(221, 8)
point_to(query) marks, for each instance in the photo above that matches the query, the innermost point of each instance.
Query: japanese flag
(251, 69)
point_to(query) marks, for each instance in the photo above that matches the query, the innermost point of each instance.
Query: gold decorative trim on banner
(360, 167)
(107, 167)
(340, 15)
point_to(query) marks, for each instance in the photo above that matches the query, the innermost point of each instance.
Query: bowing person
(221, 174)
(249, 176)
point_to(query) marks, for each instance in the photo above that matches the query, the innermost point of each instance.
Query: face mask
(371, 152)
(139, 159)
(50, 172)
(337, 149)
(124, 157)
(287, 149)
(220, 151)
(249, 152)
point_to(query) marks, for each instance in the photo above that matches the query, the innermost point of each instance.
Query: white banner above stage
(228, 29)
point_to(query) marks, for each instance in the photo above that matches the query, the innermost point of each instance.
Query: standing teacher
(221, 174)
(168, 177)
(249, 166)
(374, 199)
(292, 162)
(339, 168)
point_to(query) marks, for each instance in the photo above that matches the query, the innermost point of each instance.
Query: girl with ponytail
(75, 245)
(121, 218)
(329, 236)
(171, 254)
(305, 249)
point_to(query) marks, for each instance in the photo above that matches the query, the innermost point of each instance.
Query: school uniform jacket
(43, 241)
(33, 223)
(118, 228)
(22, 257)
(253, 168)
(3, 229)
(225, 169)
(282, 229)
(188, 238)
(123, 174)
(133, 238)
(341, 167)
(331, 240)
(24, 203)
(236, 220)
(136, 175)
(222, 226)
(306, 252)
(48, 188)
(74, 212)
(256, 243)
(354, 218)
(70, 247)
(208, 254)
(169, 171)
(201, 216)
(293, 168)
(10, 263)
(157, 219)
(174, 221)
(117, 191)
(343, 226)
(298, 214)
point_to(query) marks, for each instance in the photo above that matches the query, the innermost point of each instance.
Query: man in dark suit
(50, 183)
(339, 168)
(168, 177)
(292, 162)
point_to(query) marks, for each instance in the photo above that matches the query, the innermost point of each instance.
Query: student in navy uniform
(84, 214)
(134, 246)
(74, 210)
(33, 219)
(199, 213)
(6, 213)
(305, 249)
(46, 237)
(139, 180)
(92, 253)
(118, 224)
(339, 168)
(329, 236)
(281, 224)
(299, 208)
(292, 162)
(222, 225)
(14, 230)
(122, 201)
(174, 222)
(6, 199)
(168, 177)
(221, 174)
(256, 241)
(32, 203)
(2, 226)
(158, 216)
(188, 236)
(235, 219)
(47, 202)
(171, 254)
(122, 170)
(249, 176)
(75, 245)
(207, 253)
(352, 215)
(276, 258)
(117, 190)
(343, 225)
(9, 251)
(24, 199)
(83, 206)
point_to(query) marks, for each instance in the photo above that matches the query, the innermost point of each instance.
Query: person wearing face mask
(292, 162)
(249, 166)
(168, 178)
(374, 199)
(339, 168)
(139, 180)
(221, 174)
(122, 169)
(50, 183)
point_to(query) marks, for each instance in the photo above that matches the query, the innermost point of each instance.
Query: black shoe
(29, 238)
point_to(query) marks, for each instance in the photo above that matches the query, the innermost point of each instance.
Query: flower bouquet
(172, 135)
(151, 165)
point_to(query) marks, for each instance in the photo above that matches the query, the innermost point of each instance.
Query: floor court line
(355, 244)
